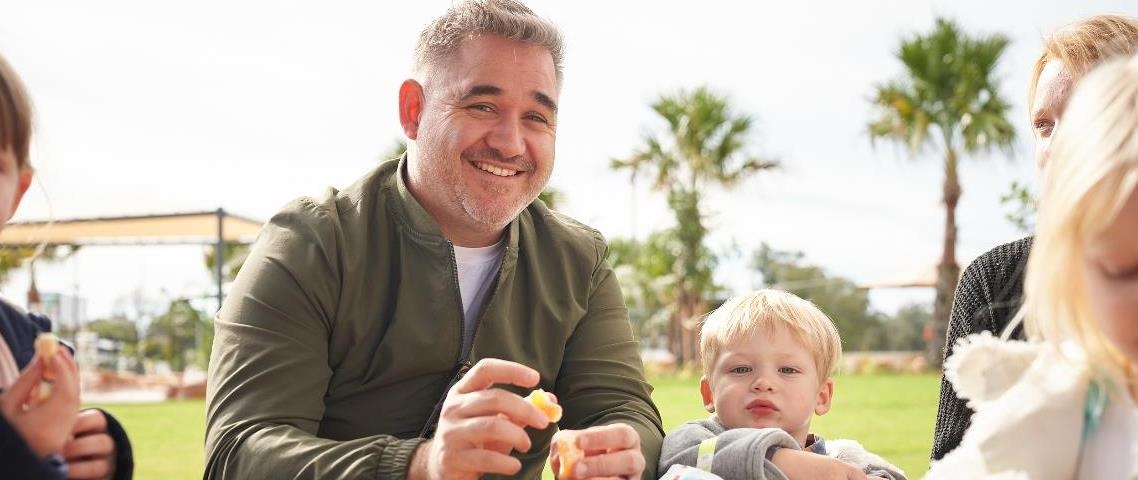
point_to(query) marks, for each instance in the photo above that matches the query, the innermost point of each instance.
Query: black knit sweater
(987, 298)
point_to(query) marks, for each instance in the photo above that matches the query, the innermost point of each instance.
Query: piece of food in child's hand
(47, 346)
(545, 402)
(568, 454)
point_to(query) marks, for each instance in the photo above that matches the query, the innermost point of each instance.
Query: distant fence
(884, 362)
(661, 361)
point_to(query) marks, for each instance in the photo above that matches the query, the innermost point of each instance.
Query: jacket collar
(413, 215)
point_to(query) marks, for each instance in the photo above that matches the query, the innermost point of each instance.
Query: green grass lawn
(892, 415)
(168, 438)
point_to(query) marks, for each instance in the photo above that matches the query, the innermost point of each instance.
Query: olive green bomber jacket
(344, 327)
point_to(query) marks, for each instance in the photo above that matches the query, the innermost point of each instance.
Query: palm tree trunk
(693, 307)
(676, 332)
(948, 271)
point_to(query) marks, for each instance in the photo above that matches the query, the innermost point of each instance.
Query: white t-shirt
(477, 268)
(1112, 450)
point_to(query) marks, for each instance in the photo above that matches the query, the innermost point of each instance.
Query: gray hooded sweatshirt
(743, 453)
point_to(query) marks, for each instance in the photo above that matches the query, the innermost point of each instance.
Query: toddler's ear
(705, 392)
(825, 396)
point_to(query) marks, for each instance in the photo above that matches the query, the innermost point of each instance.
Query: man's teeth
(501, 172)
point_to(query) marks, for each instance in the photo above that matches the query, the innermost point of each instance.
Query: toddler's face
(1111, 279)
(767, 381)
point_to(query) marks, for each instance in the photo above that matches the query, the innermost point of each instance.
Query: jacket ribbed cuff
(395, 460)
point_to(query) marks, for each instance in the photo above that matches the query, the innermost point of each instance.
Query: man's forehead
(1054, 86)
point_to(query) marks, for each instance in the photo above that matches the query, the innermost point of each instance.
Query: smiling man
(387, 330)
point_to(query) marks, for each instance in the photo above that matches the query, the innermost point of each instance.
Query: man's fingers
(617, 436)
(480, 431)
(623, 463)
(492, 371)
(90, 421)
(482, 462)
(97, 445)
(494, 402)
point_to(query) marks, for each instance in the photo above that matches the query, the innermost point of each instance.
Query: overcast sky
(158, 106)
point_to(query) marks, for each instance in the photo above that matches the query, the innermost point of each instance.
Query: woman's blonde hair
(15, 115)
(1093, 171)
(1083, 44)
(763, 311)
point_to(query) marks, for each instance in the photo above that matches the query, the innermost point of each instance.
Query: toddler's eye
(740, 370)
(788, 370)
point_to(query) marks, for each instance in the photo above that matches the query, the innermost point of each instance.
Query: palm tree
(947, 101)
(551, 197)
(234, 259)
(701, 148)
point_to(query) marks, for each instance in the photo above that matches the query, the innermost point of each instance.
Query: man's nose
(506, 138)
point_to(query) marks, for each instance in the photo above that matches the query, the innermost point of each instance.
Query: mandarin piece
(545, 402)
(47, 346)
(569, 454)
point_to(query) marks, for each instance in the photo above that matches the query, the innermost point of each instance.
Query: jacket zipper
(462, 362)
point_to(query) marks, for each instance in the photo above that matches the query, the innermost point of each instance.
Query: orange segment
(47, 346)
(545, 402)
(568, 454)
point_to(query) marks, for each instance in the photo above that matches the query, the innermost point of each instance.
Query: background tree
(123, 331)
(841, 299)
(702, 147)
(395, 150)
(551, 197)
(903, 331)
(1022, 203)
(946, 100)
(647, 280)
(235, 255)
(13, 257)
(180, 336)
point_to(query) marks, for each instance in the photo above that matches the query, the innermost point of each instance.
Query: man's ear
(410, 107)
(825, 397)
(705, 392)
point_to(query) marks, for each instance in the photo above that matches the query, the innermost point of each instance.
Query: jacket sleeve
(601, 380)
(854, 453)
(740, 453)
(19, 461)
(969, 307)
(269, 369)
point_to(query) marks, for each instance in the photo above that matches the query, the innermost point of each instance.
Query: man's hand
(90, 455)
(611, 451)
(798, 464)
(44, 426)
(480, 425)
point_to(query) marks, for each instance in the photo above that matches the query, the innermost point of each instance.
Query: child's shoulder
(710, 425)
(984, 368)
(1024, 394)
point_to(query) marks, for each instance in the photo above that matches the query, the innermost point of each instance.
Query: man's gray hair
(472, 18)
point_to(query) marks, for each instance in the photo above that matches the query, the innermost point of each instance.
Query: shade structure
(205, 228)
(171, 228)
